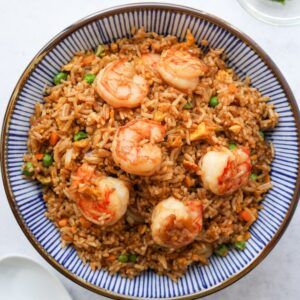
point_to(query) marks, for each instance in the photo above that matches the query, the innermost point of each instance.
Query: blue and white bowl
(245, 57)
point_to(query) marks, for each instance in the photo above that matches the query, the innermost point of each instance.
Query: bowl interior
(26, 196)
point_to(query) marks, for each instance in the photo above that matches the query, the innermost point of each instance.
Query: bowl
(245, 57)
(24, 279)
(275, 12)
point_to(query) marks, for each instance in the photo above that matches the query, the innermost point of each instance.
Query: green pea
(222, 250)
(232, 146)
(100, 51)
(132, 258)
(89, 78)
(213, 102)
(240, 245)
(188, 105)
(123, 258)
(59, 77)
(80, 135)
(261, 134)
(28, 169)
(47, 160)
(253, 176)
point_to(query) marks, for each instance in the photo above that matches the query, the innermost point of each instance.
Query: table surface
(27, 25)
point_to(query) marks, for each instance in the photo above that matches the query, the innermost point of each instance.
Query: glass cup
(274, 12)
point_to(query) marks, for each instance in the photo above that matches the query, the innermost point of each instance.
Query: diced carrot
(67, 238)
(54, 137)
(245, 215)
(88, 59)
(112, 114)
(73, 229)
(190, 166)
(240, 238)
(114, 47)
(81, 143)
(84, 222)
(190, 40)
(232, 88)
(204, 42)
(39, 156)
(62, 222)
(111, 257)
(189, 181)
(247, 235)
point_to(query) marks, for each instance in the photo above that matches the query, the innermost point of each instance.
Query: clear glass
(274, 12)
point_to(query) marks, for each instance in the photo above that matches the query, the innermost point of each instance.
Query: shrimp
(175, 224)
(102, 200)
(134, 147)
(120, 86)
(225, 171)
(151, 61)
(180, 69)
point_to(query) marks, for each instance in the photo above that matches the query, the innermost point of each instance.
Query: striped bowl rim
(106, 13)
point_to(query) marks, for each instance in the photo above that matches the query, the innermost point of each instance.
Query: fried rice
(73, 105)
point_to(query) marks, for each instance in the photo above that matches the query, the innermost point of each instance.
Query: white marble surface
(25, 26)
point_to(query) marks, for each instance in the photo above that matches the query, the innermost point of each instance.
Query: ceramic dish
(24, 279)
(274, 12)
(245, 57)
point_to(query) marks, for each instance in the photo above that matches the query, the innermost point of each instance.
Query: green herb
(253, 176)
(280, 1)
(59, 77)
(89, 78)
(240, 245)
(132, 258)
(100, 51)
(232, 146)
(28, 169)
(188, 105)
(261, 134)
(80, 135)
(222, 250)
(123, 258)
(213, 102)
(47, 160)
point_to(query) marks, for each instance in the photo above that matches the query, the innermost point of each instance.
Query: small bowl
(245, 57)
(274, 12)
(22, 278)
